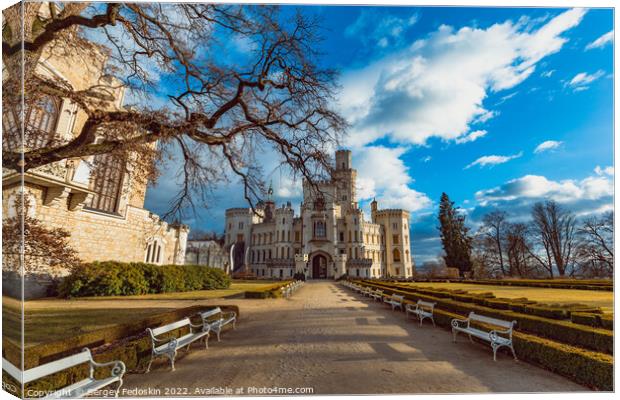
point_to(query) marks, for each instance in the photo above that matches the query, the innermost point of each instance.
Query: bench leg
(172, 356)
(470, 338)
(454, 333)
(494, 347)
(421, 319)
(513, 352)
(433, 321)
(148, 368)
(118, 388)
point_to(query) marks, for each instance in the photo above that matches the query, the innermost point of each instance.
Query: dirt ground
(327, 340)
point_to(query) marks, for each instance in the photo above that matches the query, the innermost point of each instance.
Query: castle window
(270, 254)
(106, 181)
(153, 252)
(270, 238)
(288, 236)
(240, 225)
(407, 255)
(395, 225)
(320, 229)
(283, 221)
(240, 238)
(396, 256)
(394, 239)
(40, 119)
(356, 236)
(297, 236)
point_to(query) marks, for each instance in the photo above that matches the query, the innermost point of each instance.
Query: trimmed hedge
(269, 292)
(563, 331)
(112, 278)
(126, 342)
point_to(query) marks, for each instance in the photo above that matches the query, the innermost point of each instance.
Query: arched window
(106, 181)
(396, 255)
(40, 120)
(407, 255)
(154, 252)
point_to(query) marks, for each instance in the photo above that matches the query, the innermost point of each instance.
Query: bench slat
(490, 321)
(210, 313)
(56, 366)
(170, 327)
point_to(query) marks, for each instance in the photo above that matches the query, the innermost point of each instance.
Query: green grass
(602, 299)
(52, 319)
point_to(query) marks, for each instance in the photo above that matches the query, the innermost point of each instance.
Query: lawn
(51, 319)
(602, 299)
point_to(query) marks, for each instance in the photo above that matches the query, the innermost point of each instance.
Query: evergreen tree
(455, 239)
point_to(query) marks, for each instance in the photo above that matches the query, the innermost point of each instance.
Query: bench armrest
(229, 314)
(197, 326)
(118, 367)
(458, 323)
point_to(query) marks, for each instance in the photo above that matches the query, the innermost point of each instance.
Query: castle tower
(344, 177)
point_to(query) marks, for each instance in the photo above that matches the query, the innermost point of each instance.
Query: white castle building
(329, 239)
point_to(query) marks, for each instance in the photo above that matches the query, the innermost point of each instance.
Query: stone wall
(99, 236)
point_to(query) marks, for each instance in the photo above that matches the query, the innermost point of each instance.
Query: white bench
(169, 346)
(497, 338)
(395, 300)
(422, 309)
(367, 291)
(216, 319)
(79, 389)
(377, 295)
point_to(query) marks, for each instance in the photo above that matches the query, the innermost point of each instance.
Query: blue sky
(498, 107)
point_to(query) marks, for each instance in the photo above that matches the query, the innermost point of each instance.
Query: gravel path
(335, 342)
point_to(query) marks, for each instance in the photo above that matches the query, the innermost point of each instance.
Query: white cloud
(383, 30)
(601, 41)
(383, 174)
(604, 171)
(547, 74)
(493, 160)
(408, 94)
(539, 187)
(427, 159)
(471, 136)
(582, 80)
(547, 145)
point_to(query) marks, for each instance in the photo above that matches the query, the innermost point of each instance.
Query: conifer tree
(455, 239)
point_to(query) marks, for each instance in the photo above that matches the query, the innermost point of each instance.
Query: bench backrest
(56, 366)
(491, 321)
(398, 297)
(170, 327)
(426, 305)
(211, 313)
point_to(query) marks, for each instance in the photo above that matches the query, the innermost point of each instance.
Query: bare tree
(596, 250)
(554, 229)
(518, 250)
(220, 112)
(493, 233)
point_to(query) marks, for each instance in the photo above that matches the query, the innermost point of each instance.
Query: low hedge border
(588, 368)
(521, 305)
(603, 285)
(126, 342)
(269, 292)
(605, 321)
(596, 339)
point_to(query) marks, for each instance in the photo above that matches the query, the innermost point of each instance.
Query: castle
(329, 239)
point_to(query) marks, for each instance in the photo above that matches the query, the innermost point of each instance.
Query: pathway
(335, 342)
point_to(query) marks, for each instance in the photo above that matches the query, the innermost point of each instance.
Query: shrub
(111, 278)
(607, 321)
(585, 319)
(272, 291)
